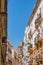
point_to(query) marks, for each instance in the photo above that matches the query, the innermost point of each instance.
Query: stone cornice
(34, 11)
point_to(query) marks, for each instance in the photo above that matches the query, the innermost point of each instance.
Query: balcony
(38, 44)
(30, 46)
(30, 36)
(30, 51)
(30, 62)
(38, 41)
(38, 22)
(39, 58)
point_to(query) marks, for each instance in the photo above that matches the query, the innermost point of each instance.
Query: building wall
(3, 17)
(16, 56)
(32, 25)
(37, 54)
(10, 54)
(33, 33)
(3, 26)
(18, 53)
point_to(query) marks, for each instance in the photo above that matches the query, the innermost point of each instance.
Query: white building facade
(34, 30)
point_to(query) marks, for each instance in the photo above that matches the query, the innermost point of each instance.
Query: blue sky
(19, 12)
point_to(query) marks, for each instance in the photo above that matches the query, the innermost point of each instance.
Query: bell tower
(3, 23)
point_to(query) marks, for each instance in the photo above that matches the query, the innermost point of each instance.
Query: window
(37, 46)
(40, 43)
(6, 58)
(39, 15)
(10, 62)
(42, 30)
(4, 39)
(37, 63)
(38, 35)
(9, 50)
(29, 35)
(40, 62)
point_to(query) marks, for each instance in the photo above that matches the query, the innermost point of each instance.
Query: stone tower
(3, 23)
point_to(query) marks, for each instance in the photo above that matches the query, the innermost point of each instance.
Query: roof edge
(34, 11)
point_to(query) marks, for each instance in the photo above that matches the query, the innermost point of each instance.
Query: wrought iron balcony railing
(38, 58)
(38, 38)
(38, 22)
(30, 62)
